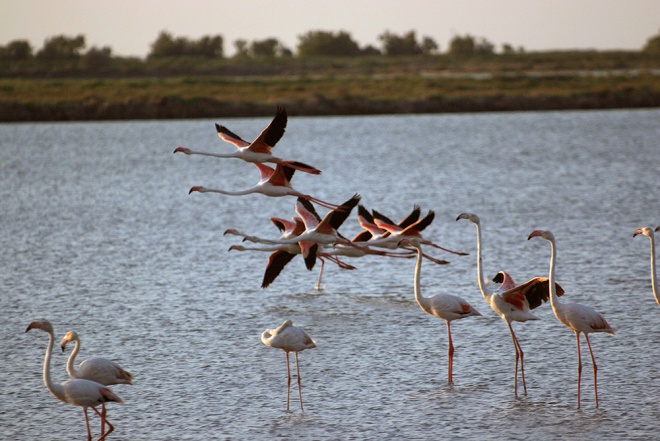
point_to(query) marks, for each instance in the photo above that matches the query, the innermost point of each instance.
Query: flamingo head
(409, 241)
(646, 231)
(198, 188)
(231, 231)
(469, 216)
(42, 324)
(237, 248)
(182, 150)
(543, 234)
(69, 336)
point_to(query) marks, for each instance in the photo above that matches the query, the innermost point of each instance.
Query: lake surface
(99, 234)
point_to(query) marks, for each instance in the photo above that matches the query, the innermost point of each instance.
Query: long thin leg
(110, 426)
(577, 339)
(288, 381)
(521, 355)
(318, 284)
(593, 362)
(450, 355)
(103, 413)
(89, 431)
(299, 384)
(515, 370)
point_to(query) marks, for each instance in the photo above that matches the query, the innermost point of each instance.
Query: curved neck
(654, 281)
(55, 389)
(485, 292)
(421, 300)
(554, 300)
(71, 362)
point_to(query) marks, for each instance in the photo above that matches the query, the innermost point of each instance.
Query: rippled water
(99, 235)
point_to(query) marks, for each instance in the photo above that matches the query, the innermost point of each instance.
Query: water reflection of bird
(101, 370)
(289, 338)
(514, 304)
(259, 150)
(445, 306)
(648, 232)
(79, 392)
(580, 318)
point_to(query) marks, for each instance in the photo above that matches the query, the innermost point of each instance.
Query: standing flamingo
(580, 318)
(274, 183)
(100, 370)
(79, 392)
(648, 232)
(259, 150)
(289, 338)
(514, 304)
(444, 306)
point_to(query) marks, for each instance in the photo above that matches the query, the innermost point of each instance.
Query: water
(99, 235)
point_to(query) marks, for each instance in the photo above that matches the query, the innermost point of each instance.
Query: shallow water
(99, 235)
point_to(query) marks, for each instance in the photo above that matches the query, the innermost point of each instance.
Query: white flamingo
(514, 304)
(83, 393)
(259, 150)
(580, 318)
(445, 306)
(289, 338)
(648, 232)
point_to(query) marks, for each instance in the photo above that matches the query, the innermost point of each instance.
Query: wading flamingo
(514, 304)
(580, 318)
(83, 393)
(101, 370)
(648, 232)
(444, 306)
(274, 183)
(259, 150)
(289, 338)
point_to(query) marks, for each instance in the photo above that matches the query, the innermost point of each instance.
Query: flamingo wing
(271, 134)
(308, 213)
(276, 263)
(281, 176)
(339, 215)
(264, 170)
(411, 218)
(533, 292)
(416, 228)
(366, 221)
(228, 136)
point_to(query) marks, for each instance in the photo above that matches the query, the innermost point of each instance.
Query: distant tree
(469, 45)
(208, 46)
(62, 47)
(370, 50)
(16, 50)
(508, 49)
(429, 46)
(652, 45)
(242, 49)
(400, 45)
(328, 44)
(97, 58)
(265, 48)
(168, 46)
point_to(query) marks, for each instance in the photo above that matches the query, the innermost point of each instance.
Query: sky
(129, 27)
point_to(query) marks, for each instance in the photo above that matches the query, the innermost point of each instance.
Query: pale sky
(129, 27)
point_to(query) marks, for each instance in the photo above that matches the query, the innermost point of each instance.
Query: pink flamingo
(83, 393)
(100, 370)
(259, 150)
(444, 306)
(513, 304)
(648, 232)
(580, 318)
(273, 183)
(289, 338)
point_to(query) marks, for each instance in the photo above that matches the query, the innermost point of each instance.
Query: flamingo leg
(103, 413)
(325, 204)
(519, 355)
(89, 431)
(318, 283)
(577, 339)
(299, 384)
(593, 362)
(450, 356)
(460, 253)
(103, 420)
(288, 381)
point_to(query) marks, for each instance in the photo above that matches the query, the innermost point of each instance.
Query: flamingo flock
(317, 238)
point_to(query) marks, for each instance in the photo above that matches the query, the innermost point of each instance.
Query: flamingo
(513, 304)
(444, 306)
(289, 338)
(580, 318)
(648, 232)
(101, 370)
(274, 183)
(259, 150)
(79, 392)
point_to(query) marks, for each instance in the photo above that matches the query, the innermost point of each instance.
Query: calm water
(99, 235)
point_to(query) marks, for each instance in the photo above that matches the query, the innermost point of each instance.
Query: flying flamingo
(289, 338)
(259, 150)
(444, 306)
(79, 392)
(580, 318)
(100, 370)
(273, 183)
(513, 304)
(648, 232)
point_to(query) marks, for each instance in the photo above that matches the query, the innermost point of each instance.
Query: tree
(323, 43)
(97, 58)
(17, 50)
(62, 47)
(168, 46)
(469, 45)
(406, 44)
(265, 48)
(429, 46)
(241, 47)
(652, 45)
